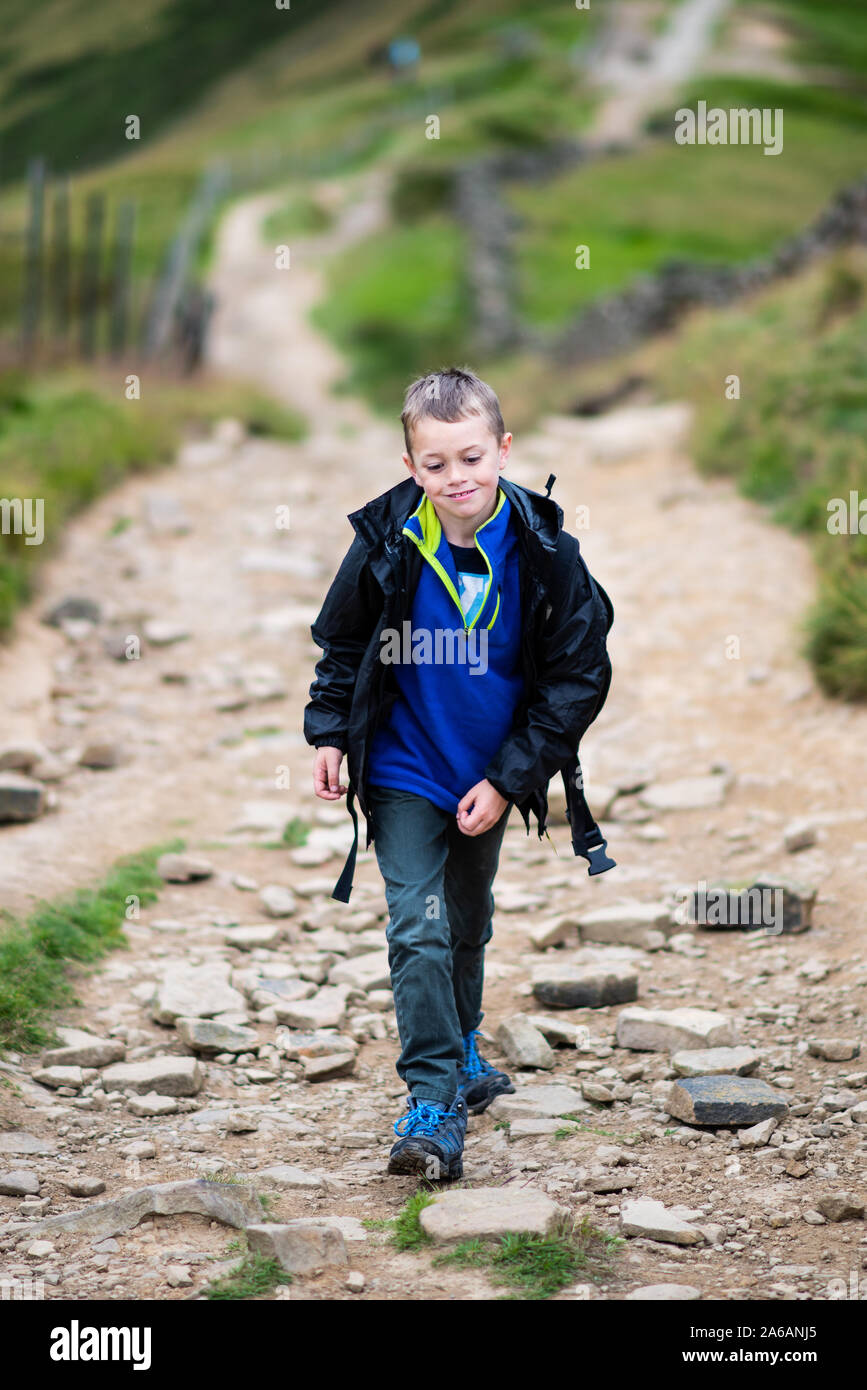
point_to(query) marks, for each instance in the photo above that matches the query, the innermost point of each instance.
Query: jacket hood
(382, 519)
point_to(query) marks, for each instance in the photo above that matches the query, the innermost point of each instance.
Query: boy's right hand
(326, 774)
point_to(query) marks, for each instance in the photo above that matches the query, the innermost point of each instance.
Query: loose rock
(724, 1100)
(564, 985)
(644, 1216)
(167, 1075)
(523, 1044)
(664, 1030)
(715, 1061)
(301, 1247)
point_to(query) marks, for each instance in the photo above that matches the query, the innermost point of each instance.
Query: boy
(464, 655)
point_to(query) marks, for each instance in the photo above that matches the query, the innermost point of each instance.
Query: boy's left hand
(487, 807)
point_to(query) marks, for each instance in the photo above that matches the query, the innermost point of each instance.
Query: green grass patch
(300, 215)
(376, 1223)
(81, 927)
(295, 832)
(536, 1267)
(255, 1275)
(407, 1232)
(395, 303)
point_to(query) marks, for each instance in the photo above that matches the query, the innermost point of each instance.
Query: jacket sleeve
(343, 629)
(572, 667)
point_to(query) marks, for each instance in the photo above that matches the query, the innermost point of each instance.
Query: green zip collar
(427, 535)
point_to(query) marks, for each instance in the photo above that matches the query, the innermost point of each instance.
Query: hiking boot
(478, 1081)
(432, 1142)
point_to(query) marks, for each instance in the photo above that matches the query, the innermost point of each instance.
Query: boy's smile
(458, 463)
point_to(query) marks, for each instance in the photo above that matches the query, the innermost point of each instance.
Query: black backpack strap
(587, 838)
(343, 886)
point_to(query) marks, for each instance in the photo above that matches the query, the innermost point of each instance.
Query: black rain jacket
(565, 617)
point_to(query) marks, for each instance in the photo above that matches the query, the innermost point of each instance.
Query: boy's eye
(435, 467)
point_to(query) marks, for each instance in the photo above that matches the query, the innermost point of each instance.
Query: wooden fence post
(31, 306)
(170, 285)
(120, 277)
(59, 284)
(90, 285)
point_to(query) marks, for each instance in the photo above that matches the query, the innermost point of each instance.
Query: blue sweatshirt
(458, 675)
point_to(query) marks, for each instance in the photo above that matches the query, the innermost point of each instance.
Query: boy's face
(458, 463)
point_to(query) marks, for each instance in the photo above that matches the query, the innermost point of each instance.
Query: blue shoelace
(474, 1065)
(424, 1119)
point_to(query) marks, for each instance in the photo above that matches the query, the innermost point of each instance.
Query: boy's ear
(411, 466)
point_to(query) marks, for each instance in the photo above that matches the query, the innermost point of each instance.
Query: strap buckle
(602, 859)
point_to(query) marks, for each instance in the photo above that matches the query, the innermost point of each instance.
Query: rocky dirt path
(282, 1075)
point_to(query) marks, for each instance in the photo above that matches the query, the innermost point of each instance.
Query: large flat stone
(366, 972)
(834, 1049)
(232, 1204)
(18, 1141)
(668, 1030)
(715, 1061)
(567, 985)
(195, 992)
(260, 936)
(626, 923)
(554, 931)
(559, 1032)
(686, 793)
(285, 1177)
(532, 1127)
(60, 1076)
(327, 1067)
(296, 1045)
(168, 1076)
(327, 1009)
(21, 798)
(537, 1100)
(644, 1216)
(80, 1049)
(21, 1182)
(841, 1206)
(301, 1247)
(486, 1213)
(209, 1036)
(724, 1100)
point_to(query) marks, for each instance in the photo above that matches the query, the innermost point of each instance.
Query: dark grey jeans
(438, 889)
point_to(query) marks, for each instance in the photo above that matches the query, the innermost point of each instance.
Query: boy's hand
(487, 807)
(326, 774)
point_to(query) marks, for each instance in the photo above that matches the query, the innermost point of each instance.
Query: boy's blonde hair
(451, 394)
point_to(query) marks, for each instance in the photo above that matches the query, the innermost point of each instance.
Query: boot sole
(418, 1162)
